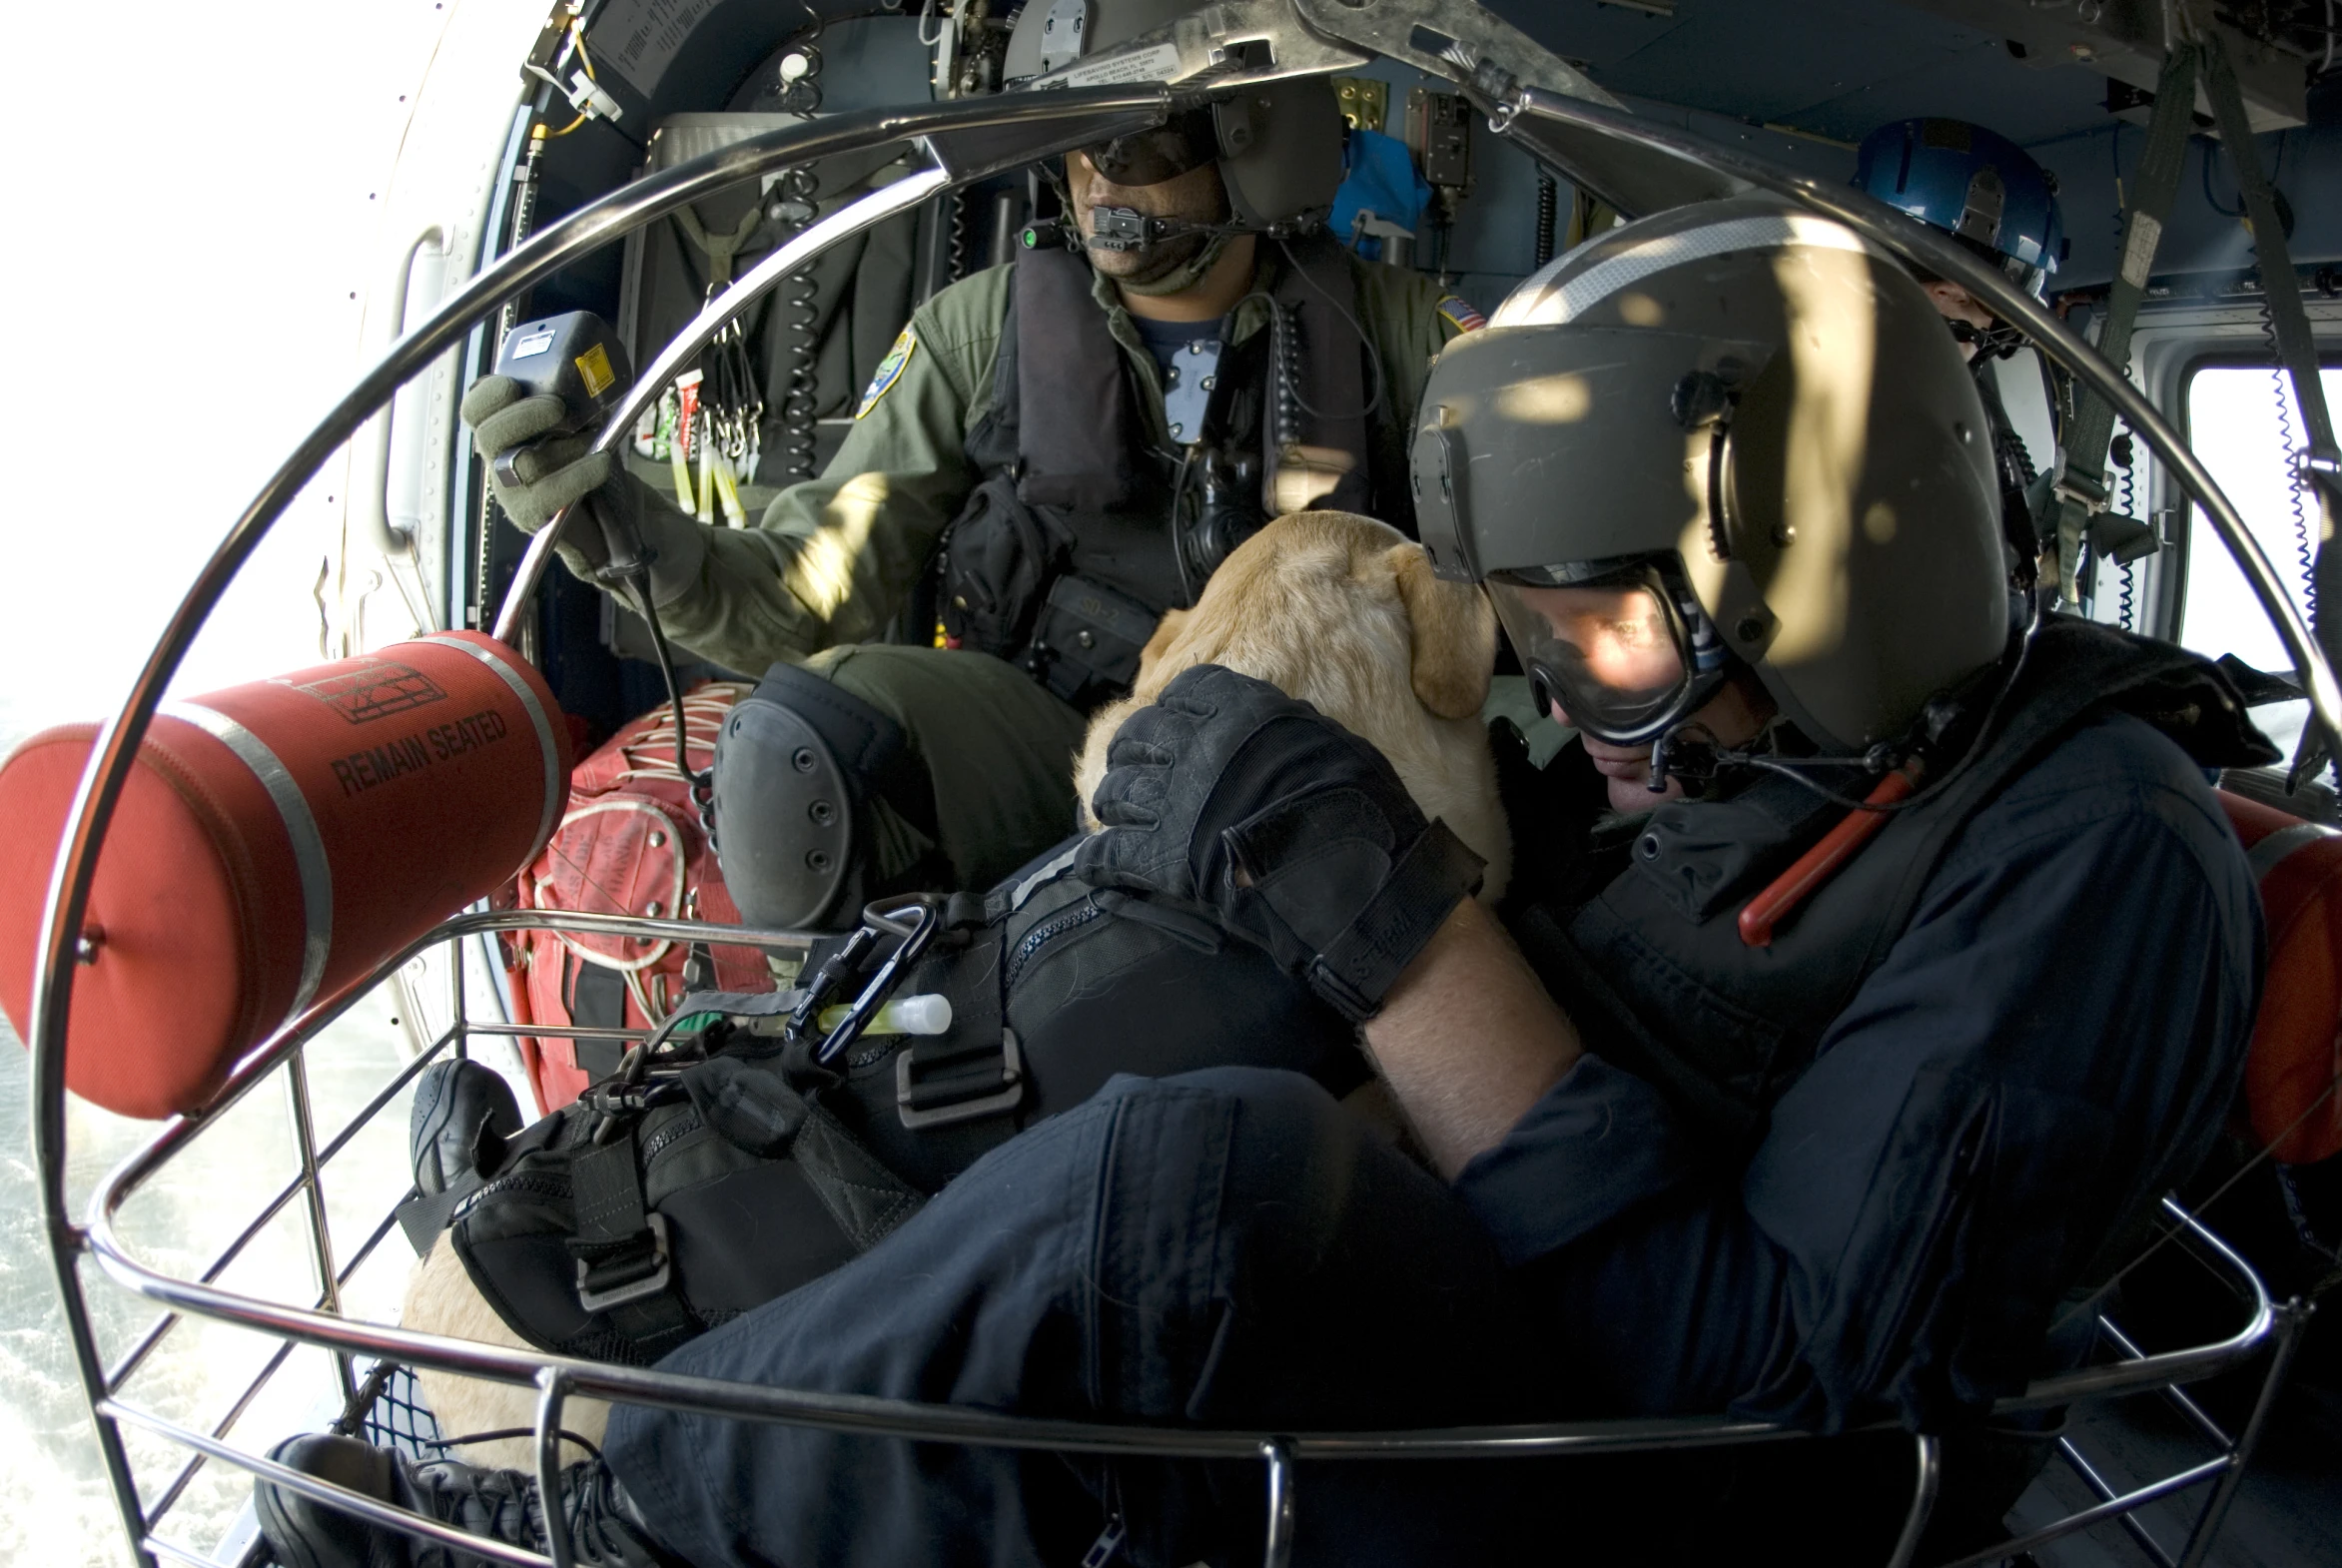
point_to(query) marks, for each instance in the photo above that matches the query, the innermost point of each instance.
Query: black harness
(1084, 531)
(738, 1165)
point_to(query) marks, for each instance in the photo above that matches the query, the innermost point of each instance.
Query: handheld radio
(578, 359)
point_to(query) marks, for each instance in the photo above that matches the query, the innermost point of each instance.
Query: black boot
(502, 1505)
(464, 1111)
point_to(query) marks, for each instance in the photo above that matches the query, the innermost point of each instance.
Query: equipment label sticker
(380, 690)
(638, 38)
(594, 365)
(1159, 64)
(535, 343)
(888, 372)
(2139, 250)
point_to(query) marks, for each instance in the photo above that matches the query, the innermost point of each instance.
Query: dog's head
(1344, 613)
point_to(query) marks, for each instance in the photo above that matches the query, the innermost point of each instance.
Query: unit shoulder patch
(888, 372)
(1460, 314)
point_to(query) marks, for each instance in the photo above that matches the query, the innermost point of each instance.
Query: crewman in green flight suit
(1084, 435)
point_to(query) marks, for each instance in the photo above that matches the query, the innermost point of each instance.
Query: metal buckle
(651, 1285)
(1006, 1098)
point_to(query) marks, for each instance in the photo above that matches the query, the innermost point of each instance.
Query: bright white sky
(2232, 426)
(182, 239)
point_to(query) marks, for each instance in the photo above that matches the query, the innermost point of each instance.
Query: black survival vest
(1654, 969)
(1067, 553)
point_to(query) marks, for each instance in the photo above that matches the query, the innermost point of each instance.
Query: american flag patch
(1459, 312)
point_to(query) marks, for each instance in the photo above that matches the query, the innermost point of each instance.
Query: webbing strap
(2295, 344)
(625, 1267)
(718, 249)
(2081, 490)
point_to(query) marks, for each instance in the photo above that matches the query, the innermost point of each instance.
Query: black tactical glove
(1291, 831)
(565, 470)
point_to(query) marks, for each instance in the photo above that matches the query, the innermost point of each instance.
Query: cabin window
(2236, 428)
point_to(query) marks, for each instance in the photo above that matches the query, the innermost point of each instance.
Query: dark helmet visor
(1164, 153)
(1624, 655)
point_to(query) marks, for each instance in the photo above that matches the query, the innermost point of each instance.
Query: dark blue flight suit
(1862, 1203)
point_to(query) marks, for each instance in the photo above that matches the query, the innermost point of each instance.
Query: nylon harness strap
(625, 1266)
(2081, 490)
(718, 249)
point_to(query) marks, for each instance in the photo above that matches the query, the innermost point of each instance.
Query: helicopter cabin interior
(526, 117)
(613, 89)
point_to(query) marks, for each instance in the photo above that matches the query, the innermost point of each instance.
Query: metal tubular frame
(558, 1379)
(1048, 122)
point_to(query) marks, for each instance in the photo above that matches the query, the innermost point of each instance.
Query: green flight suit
(834, 559)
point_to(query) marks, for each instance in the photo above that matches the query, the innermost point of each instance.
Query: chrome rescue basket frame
(1635, 163)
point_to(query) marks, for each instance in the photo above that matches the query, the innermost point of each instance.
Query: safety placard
(638, 38)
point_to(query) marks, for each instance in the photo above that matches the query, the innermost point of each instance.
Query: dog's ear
(1453, 633)
(1166, 632)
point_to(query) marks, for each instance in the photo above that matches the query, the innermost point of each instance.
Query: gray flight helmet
(1280, 144)
(1758, 393)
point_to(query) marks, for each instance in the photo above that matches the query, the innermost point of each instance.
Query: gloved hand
(564, 470)
(1291, 831)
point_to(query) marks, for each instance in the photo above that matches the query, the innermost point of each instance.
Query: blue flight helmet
(1975, 184)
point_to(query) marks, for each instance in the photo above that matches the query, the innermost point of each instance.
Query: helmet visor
(1613, 655)
(1164, 153)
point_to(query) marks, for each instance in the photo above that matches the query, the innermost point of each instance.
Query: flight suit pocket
(996, 560)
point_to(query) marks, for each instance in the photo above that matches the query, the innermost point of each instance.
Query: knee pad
(796, 766)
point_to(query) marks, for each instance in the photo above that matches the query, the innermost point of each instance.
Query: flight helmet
(1278, 145)
(1733, 432)
(1973, 184)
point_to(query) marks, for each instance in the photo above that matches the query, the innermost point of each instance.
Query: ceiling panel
(1840, 68)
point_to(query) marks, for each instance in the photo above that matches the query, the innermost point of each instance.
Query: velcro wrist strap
(1358, 967)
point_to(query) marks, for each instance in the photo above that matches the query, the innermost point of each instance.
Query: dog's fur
(1344, 613)
(441, 1299)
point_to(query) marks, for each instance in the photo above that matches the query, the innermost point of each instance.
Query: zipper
(1043, 934)
(535, 1183)
(682, 1128)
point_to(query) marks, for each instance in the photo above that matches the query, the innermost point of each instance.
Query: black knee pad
(796, 764)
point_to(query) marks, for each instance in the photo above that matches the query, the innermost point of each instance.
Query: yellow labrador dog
(1344, 613)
